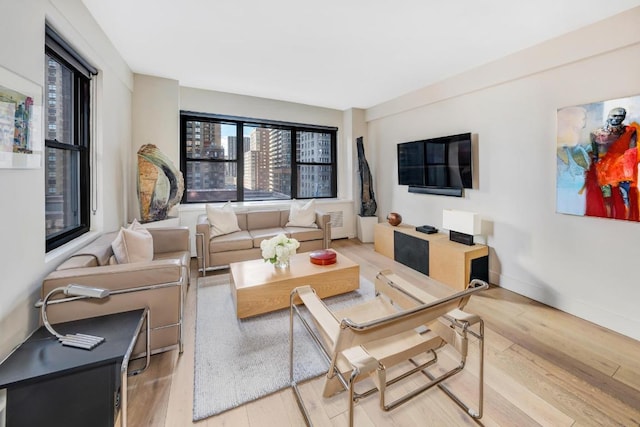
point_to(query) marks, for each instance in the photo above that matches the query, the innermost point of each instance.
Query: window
(67, 186)
(272, 161)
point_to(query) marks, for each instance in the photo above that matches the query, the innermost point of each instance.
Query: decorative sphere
(394, 218)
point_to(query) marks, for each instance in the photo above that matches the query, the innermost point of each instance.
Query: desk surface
(41, 355)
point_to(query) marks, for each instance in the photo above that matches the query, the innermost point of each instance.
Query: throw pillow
(302, 215)
(133, 244)
(222, 220)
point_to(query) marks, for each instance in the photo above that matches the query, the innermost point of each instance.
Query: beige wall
(355, 126)
(156, 120)
(585, 266)
(22, 218)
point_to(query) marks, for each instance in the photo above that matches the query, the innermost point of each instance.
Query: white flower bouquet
(279, 249)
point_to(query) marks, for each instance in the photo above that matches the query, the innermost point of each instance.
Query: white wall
(208, 101)
(22, 219)
(585, 266)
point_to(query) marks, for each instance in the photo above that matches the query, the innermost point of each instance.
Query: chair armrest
(170, 239)
(116, 277)
(203, 236)
(323, 220)
(323, 317)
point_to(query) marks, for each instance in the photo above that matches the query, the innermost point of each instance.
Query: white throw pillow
(222, 220)
(133, 244)
(302, 215)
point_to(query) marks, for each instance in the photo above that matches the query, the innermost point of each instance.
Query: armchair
(371, 337)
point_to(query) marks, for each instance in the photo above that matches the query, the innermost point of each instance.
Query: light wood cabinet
(448, 262)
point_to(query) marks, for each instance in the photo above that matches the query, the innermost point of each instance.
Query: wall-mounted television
(437, 165)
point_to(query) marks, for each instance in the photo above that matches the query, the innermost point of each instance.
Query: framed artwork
(21, 142)
(597, 159)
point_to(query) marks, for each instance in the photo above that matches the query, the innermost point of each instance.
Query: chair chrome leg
(294, 385)
(202, 254)
(475, 414)
(352, 380)
(291, 337)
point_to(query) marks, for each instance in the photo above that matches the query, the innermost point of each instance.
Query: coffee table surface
(258, 287)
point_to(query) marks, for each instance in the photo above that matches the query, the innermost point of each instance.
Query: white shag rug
(237, 361)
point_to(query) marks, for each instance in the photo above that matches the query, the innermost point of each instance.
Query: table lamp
(462, 225)
(87, 342)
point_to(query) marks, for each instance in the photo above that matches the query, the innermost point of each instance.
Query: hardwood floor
(542, 367)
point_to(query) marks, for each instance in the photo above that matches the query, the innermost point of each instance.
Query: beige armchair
(402, 324)
(160, 285)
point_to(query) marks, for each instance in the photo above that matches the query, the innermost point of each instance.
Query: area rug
(237, 361)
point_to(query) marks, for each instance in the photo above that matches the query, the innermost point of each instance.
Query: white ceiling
(331, 53)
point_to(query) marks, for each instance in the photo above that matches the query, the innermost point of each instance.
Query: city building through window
(230, 158)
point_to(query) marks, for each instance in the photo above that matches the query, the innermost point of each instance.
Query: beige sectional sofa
(159, 284)
(256, 226)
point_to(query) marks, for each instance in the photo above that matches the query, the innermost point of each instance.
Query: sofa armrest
(203, 236)
(116, 277)
(170, 239)
(323, 220)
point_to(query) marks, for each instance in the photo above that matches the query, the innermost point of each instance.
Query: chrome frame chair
(402, 322)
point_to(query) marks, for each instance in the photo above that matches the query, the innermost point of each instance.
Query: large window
(230, 158)
(67, 131)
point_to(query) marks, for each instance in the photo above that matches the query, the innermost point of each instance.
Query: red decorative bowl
(322, 257)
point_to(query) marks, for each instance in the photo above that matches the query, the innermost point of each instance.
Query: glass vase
(282, 263)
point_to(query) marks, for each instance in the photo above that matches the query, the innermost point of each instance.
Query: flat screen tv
(437, 165)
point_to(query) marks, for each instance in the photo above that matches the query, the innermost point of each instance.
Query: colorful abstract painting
(20, 122)
(15, 121)
(597, 159)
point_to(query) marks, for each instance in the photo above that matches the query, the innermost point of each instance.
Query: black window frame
(240, 123)
(80, 139)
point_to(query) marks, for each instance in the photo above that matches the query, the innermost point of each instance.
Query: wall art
(597, 159)
(20, 122)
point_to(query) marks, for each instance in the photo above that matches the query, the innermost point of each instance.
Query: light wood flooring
(542, 367)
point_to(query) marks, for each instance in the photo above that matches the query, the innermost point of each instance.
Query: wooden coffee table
(258, 287)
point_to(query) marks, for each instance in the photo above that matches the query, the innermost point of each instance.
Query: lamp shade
(461, 221)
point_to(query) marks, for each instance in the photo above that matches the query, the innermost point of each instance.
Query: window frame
(80, 129)
(241, 123)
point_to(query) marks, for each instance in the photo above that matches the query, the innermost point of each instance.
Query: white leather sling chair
(399, 324)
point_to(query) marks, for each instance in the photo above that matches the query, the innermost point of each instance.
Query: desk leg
(124, 374)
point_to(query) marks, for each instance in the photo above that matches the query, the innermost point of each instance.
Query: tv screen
(444, 162)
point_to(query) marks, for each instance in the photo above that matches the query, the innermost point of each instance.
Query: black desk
(50, 384)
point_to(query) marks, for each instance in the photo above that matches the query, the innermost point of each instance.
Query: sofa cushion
(231, 242)
(284, 217)
(242, 219)
(304, 234)
(265, 233)
(100, 248)
(302, 214)
(222, 220)
(257, 220)
(133, 244)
